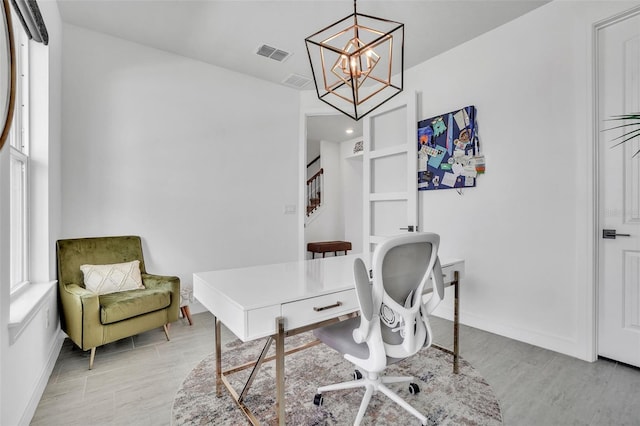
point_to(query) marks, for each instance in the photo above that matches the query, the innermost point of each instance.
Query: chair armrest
(80, 309)
(159, 281)
(170, 283)
(365, 300)
(77, 291)
(438, 288)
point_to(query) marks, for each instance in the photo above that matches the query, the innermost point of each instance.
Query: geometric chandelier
(357, 63)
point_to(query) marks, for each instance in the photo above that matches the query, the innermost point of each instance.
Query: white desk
(281, 300)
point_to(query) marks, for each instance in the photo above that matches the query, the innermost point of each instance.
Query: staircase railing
(314, 192)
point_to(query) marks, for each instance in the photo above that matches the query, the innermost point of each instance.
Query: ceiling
(228, 33)
(332, 128)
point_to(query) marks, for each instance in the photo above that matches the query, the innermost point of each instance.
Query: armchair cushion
(123, 305)
(105, 279)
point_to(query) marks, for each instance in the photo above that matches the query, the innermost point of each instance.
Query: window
(19, 169)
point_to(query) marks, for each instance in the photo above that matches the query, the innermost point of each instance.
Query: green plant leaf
(631, 119)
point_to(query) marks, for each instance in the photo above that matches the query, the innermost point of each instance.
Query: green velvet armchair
(92, 320)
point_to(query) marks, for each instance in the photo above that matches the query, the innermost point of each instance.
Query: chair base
(372, 382)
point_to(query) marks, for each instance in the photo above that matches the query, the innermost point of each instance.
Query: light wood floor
(134, 380)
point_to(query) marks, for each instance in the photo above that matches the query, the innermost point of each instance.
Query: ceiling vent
(273, 53)
(296, 81)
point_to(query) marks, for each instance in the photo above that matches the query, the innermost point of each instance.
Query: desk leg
(256, 367)
(280, 370)
(456, 321)
(218, 357)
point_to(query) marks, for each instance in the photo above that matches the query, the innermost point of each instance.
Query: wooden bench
(328, 246)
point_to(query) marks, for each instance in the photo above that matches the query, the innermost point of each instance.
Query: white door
(618, 59)
(390, 183)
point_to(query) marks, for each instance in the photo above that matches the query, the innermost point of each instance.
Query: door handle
(410, 228)
(610, 234)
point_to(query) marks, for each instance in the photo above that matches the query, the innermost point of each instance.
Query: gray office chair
(393, 323)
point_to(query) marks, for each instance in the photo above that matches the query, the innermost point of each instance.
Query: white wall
(313, 152)
(25, 365)
(28, 363)
(197, 160)
(351, 186)
(526, 231)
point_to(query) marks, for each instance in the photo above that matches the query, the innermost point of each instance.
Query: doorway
(336, 210)
(618, 92)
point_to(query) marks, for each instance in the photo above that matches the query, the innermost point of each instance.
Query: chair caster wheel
(357, 375)
(413, 388)
(318, 400)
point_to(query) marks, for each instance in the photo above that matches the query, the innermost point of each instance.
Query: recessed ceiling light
(349, 131)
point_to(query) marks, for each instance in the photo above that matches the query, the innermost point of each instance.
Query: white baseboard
(54, 352)
(551, 342)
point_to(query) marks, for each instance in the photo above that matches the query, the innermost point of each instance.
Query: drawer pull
(335, 305)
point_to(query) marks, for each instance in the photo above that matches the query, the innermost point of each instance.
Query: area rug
(444, 398)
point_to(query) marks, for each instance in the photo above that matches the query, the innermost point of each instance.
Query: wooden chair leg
(92, 357)
(166, 330)
(186, 313)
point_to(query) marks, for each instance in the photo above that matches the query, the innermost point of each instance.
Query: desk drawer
(315, 309)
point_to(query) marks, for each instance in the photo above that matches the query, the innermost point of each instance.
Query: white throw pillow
(105, 279)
